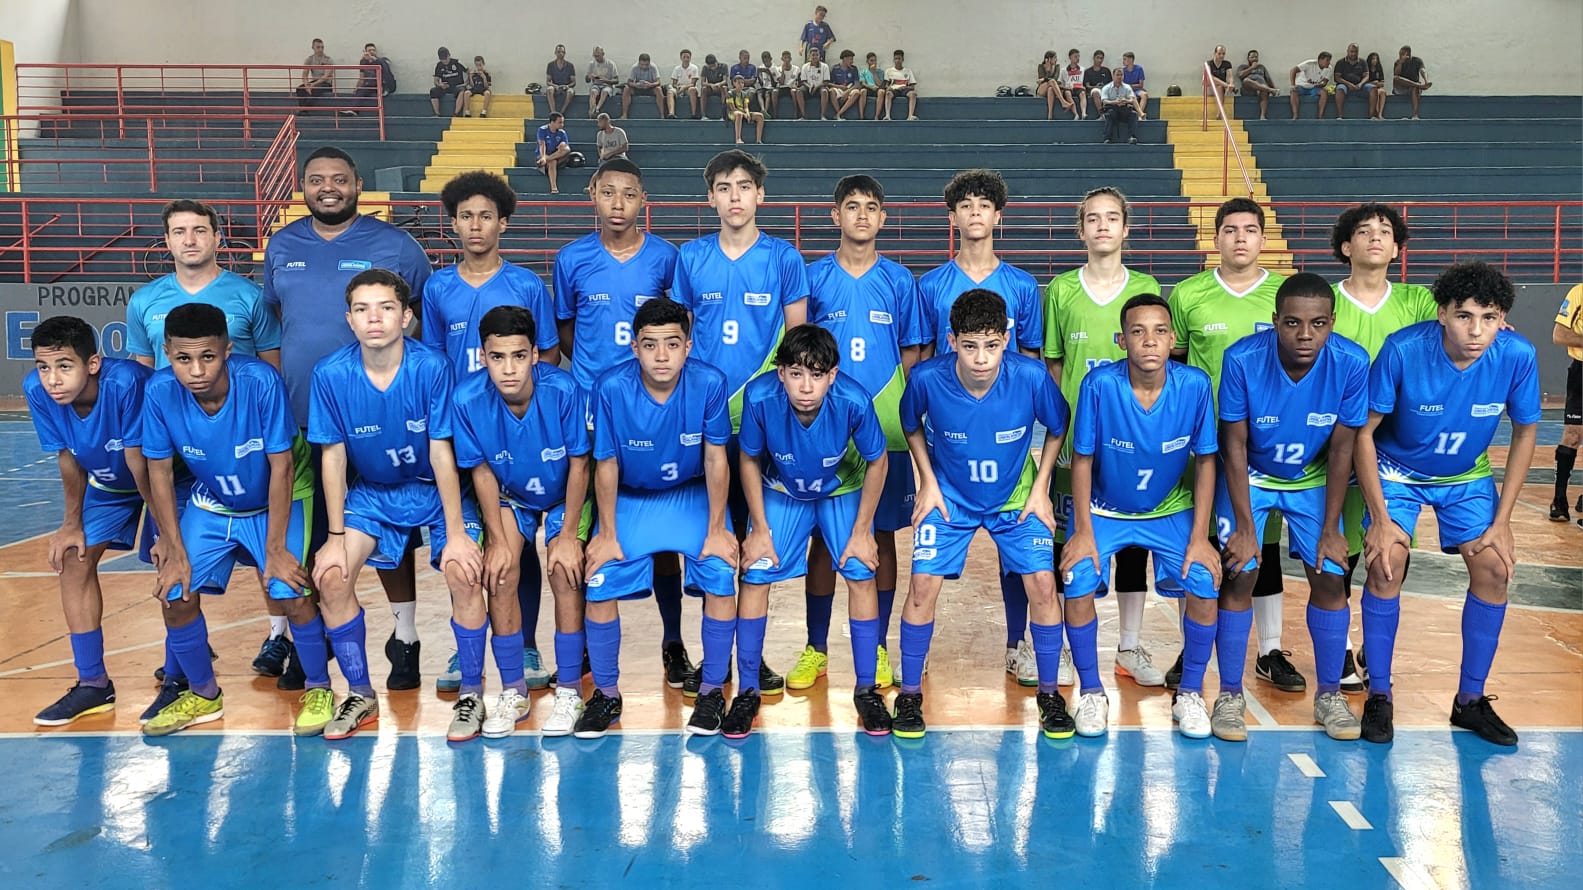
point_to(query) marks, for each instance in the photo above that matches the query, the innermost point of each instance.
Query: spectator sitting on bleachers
(1074, 84)
(1409, 78)
(739, 108)
(1220, 76)
(715, 83)
(873, 82)
(643, 78)
(786, 80)
(765, 82)
(1380, 94)
(1255, 78)
(1311, 78)
(554, 146)
(449, 77)
(560, 81)
(610, 140)
(318, 80)
(1120, 107)
(602, 81)
(377, 81)
(479, 83)
(1132, 76)
(845, 91)
(817, 35)
(684, 82)
(745, 68)
(1352, 76)
(1095, 78)
(1049, 85)
(900, 81)
(815, 75)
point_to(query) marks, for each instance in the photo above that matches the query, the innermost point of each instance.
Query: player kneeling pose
(969, 417)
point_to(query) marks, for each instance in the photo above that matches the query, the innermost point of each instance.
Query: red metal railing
(276, 175)
(1229, 145)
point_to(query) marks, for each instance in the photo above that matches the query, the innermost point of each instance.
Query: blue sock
(750, 651)
(819, 620)
(1046, 650)
(887, 600)
(470, 655)
(865, 639)
(668, 597)
(718, 636)
(87, 652)
(173, 671)
(530, 595)
(1328, 630)
(1231, 647)
(1198, 640)
(1015, 597)
(350, 642)
(1481, 633)
(569, 658)
(914, 651)
(191, 644)
(1380, 617)
(1084, 639)
(508, 658)
(604, 654)
(311, 652)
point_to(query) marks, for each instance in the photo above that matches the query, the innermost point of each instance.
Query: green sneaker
(810, 666)
(189, 709)
(883, 678)
(318, 709)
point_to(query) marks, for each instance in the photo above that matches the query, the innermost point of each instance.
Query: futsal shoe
(1054, 721)
(884, 674)
(1274, 669)
(318, 709)
(1092, 715)
(1020, 664)
(450, 680)
(511, 708)
(1378, 714)
(811, 665)
(1481, 718)
(677, 664)
(79, 701)
(564, 711)
(770, 683)
(1353, 681)
(708, 713)
(1173, 677)
(738, 722)
(467, 718)
(599, 713)
(871, 711)
(1229, 722)
(354, 713)
(1332, 712)
(169, 691)
(1558, 511)
(1190, 714)
(1067, 675)
(271, 660)
(1138, 665)
(403, 664)
(907, 722)
(695, 680)
(189, 709)
(533, 672)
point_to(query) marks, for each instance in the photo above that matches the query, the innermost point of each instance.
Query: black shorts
(1572, 414)
(444, 90)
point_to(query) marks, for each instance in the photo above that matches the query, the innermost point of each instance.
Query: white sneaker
(1092, 715)
(1191, 715)
(1137, 664)
(1068, 673)
(1021, 664)
(565, 710)
(450, 679)
(510, 709)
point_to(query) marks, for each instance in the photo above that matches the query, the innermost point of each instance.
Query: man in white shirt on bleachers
(1311, 78)
(815, 75)
(684, 81)
(901, 82)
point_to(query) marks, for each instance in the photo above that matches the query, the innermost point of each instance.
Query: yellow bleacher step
(505, 105)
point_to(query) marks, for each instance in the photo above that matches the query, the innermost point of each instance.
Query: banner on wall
(101, 304)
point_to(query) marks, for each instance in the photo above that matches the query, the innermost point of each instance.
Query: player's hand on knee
(602, 549)
(720, 542)
(1241, 548)
(174, 572)
(464, 552)
(1380, 543)
(330, 558)
(928, 500)
(283, 566)
(759, 545)
(1199, 551)
(863, 548)
(1078, 547)
(66, 539)
(1332, 546)
(1498, 537)
(566, 556)
(1040, 507)
(499, 566)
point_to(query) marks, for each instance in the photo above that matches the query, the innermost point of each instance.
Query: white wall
(41, 29)
(957, 47)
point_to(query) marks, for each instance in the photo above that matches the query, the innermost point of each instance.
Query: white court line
(159, 642)
(1306, 766)
(1265, 718)
(1350, 815)
(1409, 875)
(29, 574)
(33, 504)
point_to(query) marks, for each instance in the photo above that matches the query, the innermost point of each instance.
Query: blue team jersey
(452, 309)
(873, 318)
(98, 441)
(659, 446)
(1289, 422)
(1141, 457)
(739, 305)
(940, 286)
(387, 432)
(829, 456)
(252, 326)
(305, 280)
(603, 294)
(1439, 420)
(982, 448)
(227, 452)
(529, 454)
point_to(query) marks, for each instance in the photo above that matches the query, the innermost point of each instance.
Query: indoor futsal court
(983, 800)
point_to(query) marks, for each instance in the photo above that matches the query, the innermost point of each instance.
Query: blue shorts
(675, 520)
(1304, 511)
(111, 518)
(1307, 92)
(1164, 536)
(216, 542)
(554, 519)
(895, 500)
(391, 513)
(1463, 511)
(1343, 90)
(792, 522)
(939, 547)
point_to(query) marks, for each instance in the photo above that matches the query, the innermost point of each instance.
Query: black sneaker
(1353, 678)
(907, 722)
(79, 701)
(1558, 513)
(738, 722)
(709, 711)
(695, 678)
(1053, 719)
(403, 664)
(871, 711)
(1378, 713)
(292, 678)
(598, 713)
(770, 683)
(677, 664)
(271, 660)
(159, 672)
(1273, 668)
(1173, 677)
(1482, 719)
(168, 693)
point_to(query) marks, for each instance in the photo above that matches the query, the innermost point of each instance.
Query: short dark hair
(616, 165)
(1239, 205)
(329, 151)
(195, 321)
(477, 183)
(808, 345)
(734, 159)
(508, 321)
(976, 183)
(1324, 55)
(380, 277)
(978, 311)
(848, 54)
(1142, 301)
(556, 116)
(67, 332)
(659, 312)
(1305, 284)
(1478, 281)
(1349, 220)
(859, 183)
(185, 205)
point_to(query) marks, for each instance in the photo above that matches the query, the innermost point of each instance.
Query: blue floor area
(967, 808)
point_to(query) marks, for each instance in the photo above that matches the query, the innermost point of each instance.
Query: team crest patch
(1321, 420)
(1260, 327)
(762, 565)
(640, 299)
(248, 447)
(550, 454)
(1003, 437)
(756, 299)
(690, 439)
(1493, 409)
(877, 317)
(832, 461)
(114, 445)
(924, 554)
(418, 426)
(354, 265)
(596, 580)
(1176, 444)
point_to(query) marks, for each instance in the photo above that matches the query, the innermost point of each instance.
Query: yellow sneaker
(318, 709)
(189, 709)
(882, 674)
(810, 666)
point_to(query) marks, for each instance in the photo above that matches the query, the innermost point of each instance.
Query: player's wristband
(335, 533)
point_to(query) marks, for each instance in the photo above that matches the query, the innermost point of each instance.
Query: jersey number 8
(857, 349)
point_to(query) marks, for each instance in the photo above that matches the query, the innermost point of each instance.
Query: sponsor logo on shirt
(1042, 542)
(644, 444)
(458, 327)
(711, 297)
(1321, 420)
(1218, 326)
(877, 317)
(371, 429)
(248, 447)
(1004, 436)
(297, 264)
(598, 298)
(785, 458)
(113, 445)
(690, 439)
(832, 461)
(1121, 444)
(158, 317)
(1260, 327)
(922, 554)
(550, 454)
(640, 299)
(418, 426)
(501, 457)
(354, 265)
(1176, 444)
(596, 580)
(1268, 421)
(1078, 335)
(1492, 409)
(756, 299)
(958, 437)
(763, 564)
(190, 451)
(1431, 409)
(835, 316)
